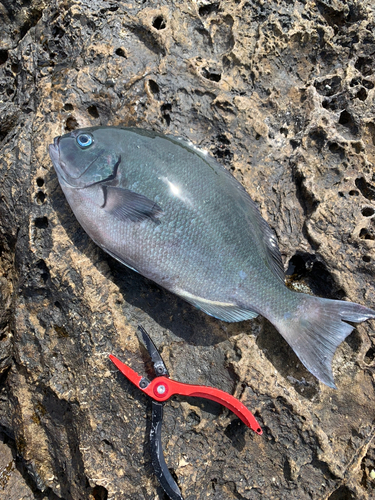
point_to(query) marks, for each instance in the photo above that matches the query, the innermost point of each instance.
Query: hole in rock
(353, 192)
(369, 85)
(223, 139)
(61, 331)
(193, 419)
(167, 119)
(235, 429)
(16, 68)
(206, 10)
(336, 149)
(3, 56)
(364, 65)
(93, 111)
(159, 23)
(58, 31)
(362, 94)
(318, 137)
(367, 211)
(366, 258)
(305, 268)
(210, 74)
(222, 152)
(99, 493)
(154, 88)
(107, 443)
(355, 81)
(365, 234)
(345, 118)
(40, 182)
(40, 197)
(41, 222)
(120, 52)
(112, 8)
(164, 108)
(347, 121)
(358, 147)
(334, 18)
(367, 190)
(284, 131)
(44, 272)
(370, 355)
(337, 17)
(71, 124)
(328, 87)
(68, 106)
(342, 493)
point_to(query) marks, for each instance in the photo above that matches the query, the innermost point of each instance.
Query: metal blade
(160, 467)
(159, 366)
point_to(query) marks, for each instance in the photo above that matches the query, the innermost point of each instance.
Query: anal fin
(226, 311)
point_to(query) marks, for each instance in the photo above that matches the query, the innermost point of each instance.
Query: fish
(171, 212)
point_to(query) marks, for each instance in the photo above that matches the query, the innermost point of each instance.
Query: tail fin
(316, 330)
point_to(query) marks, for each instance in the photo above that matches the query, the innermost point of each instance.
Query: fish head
(85, 157)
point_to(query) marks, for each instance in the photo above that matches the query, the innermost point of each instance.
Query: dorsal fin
(273, 254)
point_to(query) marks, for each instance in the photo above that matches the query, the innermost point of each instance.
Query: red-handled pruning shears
(162, 388)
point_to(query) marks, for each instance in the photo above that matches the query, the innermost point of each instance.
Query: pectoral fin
(126, 205)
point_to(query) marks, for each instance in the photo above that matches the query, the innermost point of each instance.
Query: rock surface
(282, 93)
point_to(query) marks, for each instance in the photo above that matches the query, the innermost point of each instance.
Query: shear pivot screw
(160, 389)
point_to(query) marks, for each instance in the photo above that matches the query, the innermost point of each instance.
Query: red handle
(126, 370)
(162, 388)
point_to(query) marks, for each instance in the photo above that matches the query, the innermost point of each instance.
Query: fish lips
(54, 153)
(54, 149)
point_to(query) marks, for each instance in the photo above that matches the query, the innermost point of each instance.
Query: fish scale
(172, 213)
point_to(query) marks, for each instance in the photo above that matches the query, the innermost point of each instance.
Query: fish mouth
(65, 178)
(54, 152)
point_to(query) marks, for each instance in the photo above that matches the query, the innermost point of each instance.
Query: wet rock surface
(282, 93)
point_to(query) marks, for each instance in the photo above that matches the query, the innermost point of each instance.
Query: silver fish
(172, 213)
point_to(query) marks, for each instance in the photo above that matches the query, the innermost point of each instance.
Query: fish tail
(317, 328)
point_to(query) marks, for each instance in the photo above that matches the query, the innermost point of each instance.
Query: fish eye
(85, 140)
